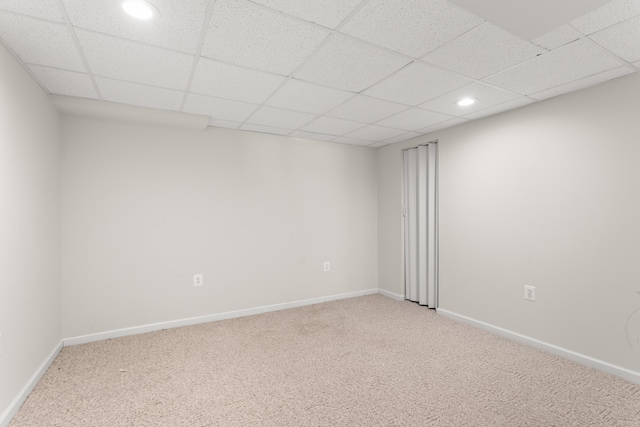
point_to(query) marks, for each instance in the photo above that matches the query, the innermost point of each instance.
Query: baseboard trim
(14, 406)
(391, 295)
(600, 365)
(83, 339)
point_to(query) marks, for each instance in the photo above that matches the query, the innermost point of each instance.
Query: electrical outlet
(327, 266)
(198, 280)
(530, 293)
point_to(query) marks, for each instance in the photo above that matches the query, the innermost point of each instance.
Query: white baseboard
(391, 295)
(600, 365)
(8, 414)
(83, 339)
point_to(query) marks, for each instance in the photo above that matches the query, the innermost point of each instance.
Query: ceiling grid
(362, 72)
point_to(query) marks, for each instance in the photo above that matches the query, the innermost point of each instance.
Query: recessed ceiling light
(140, 9)
(465, 102)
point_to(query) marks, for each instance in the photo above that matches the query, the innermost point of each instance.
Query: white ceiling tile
(306, 97)
(483, 51)
(412, 27)
(583, 83)
(637, 64)
(505, 106)
(245, 34)
(177, 27)
(228, 81)
(346, 64)
(366, 109)
(486, 96)
(276, 117)
(443, 125)
(623, 39)
(413, 119)
(125, 60)
(328, 13)
(265, 129)
(351, 141)
(311, 135)
(375, 133)
(331, 126)
(140, 95)
(607, 15)
(63, 82)
(529, 19)
(377, 145)
(38, 42)
(45, 9)
(563, 65)
(558, 37)
(222, 109)
(404, 137)
(223, 123)
(417, 83)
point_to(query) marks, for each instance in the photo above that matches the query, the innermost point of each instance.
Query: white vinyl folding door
(420, 224)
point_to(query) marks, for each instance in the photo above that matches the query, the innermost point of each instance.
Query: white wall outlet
(327, 266)
(530, 293)
(198, 280)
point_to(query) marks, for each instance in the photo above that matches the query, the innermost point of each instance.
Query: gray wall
(29, 227)
(145, 208)
(547, 195)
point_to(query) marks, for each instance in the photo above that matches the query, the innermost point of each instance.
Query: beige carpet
(367, 361)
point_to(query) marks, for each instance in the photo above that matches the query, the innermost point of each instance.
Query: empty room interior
(319, 213)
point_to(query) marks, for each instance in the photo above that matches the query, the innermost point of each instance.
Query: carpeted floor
(367, 361)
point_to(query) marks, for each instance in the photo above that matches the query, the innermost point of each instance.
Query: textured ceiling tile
(443, 125)
(486, 96)
(38, 42)
(223, 123)
(483, 51)
(328, 13)
(45, 9)
(366, 109)
(306, 97)
(509, 105)
(375, 133)
(245, 34)
(311, 135)
(351, 141)
(413, 27)
(404, 137)
(583, 83)
(623, 39)
(228, 81)
(222, 109)
(377, 145)
(332, 126)
(346, 64)
(276, 117)
(140, 95)
(417, 83)
(265, 129)
(413, 119)
(63, 82)
(135, 62)
(607, 15)
(563, 65)
(558, 37)
(177, 27)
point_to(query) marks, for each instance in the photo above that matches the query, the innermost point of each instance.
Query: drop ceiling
(370, 72)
